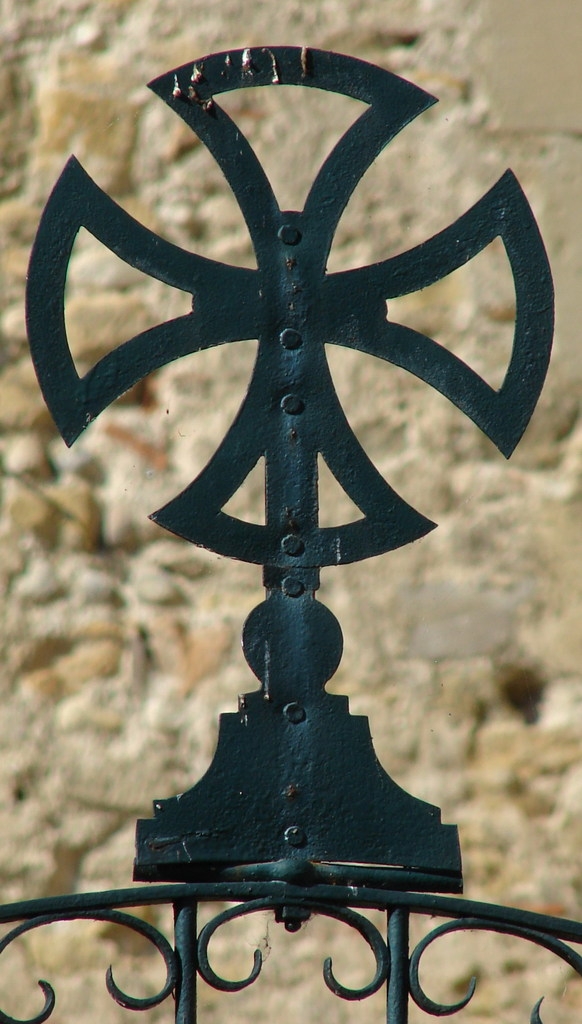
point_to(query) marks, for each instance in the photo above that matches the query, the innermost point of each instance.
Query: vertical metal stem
(397, 992)
(185, 939)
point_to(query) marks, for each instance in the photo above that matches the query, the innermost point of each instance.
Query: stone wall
(120, 646)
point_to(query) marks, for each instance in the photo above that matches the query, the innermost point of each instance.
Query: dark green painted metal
(293, 903)
(295, 812)
(185, 932)
(397, 990)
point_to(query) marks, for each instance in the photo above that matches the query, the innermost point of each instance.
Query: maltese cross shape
(291, 413)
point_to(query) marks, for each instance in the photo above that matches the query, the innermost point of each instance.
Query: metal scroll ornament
(294, 788)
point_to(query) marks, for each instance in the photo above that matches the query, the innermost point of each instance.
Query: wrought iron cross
(294, 784)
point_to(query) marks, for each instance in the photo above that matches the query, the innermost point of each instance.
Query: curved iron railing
(397, 965)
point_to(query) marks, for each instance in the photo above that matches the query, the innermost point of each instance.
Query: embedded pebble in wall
(24, 454)
(95, 586)
(30, 511)
(12, 323)
(39, 583)
(80, 514)
(153, 585)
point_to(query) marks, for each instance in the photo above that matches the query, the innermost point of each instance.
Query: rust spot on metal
(197, 75)
(195, 97)
(176, 91)
(275, 79)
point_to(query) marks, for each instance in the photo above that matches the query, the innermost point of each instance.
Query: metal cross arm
(191, 91)
(75, 202)
(503, 212)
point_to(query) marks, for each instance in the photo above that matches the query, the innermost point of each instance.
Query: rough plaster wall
(120, 644)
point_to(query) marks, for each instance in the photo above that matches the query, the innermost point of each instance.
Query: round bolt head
(293, 926)
(289, 235)
(292, 544)
(290, 338)
(294, 712)
(295, 836)
(292, 405)
(292, 587)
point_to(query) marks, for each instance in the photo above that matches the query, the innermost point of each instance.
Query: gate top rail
(397, 966)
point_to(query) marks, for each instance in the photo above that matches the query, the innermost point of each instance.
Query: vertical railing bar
(398, 986)
(185, 940)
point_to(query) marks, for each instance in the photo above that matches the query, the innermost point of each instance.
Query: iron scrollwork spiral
(292, 906)
(117, 917)
(436, 1009)
(302, 910)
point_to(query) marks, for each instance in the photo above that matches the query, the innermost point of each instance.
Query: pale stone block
(100, 321)
(25, 454)
(533, 64)
(82, 109)
(454, 621)
(80, 517)
(22, 406)
(30, 511)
